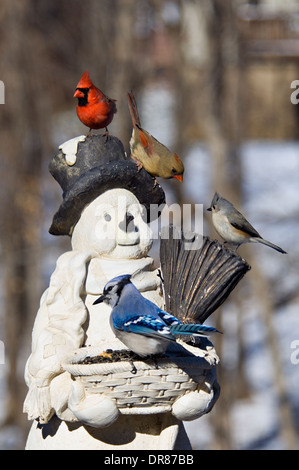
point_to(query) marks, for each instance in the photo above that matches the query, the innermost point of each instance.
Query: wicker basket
(152, 389)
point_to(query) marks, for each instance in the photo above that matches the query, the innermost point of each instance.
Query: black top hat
(100, 165)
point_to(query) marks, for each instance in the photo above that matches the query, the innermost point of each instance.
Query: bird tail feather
(265, 242)
(133, 110)
(190, 329)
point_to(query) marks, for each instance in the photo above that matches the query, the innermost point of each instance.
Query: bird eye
(109, 289)
(173, 171)
(107, 217)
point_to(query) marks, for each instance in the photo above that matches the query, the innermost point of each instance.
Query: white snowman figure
(105, 202)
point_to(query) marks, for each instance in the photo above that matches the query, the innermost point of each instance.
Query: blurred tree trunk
(223, 98)
(223, 130)
(263, 292)
(25, 112)
(124, 74)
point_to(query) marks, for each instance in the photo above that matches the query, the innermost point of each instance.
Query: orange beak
(78, 94)
(179, 178)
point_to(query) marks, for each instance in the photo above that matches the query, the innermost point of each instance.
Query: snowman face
(113, 226)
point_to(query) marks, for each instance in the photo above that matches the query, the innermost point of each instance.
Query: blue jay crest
(197, 282)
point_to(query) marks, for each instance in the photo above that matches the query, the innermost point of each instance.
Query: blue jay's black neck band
(122, 284)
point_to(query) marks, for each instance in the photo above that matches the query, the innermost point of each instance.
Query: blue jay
(140, 324)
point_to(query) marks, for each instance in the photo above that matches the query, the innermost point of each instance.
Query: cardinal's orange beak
(178, 177)
(78, 94)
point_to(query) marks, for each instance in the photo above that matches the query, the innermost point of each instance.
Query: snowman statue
(105, 211)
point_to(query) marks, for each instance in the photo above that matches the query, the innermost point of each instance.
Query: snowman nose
(127, 224)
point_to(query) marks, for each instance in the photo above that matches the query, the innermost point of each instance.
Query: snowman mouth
(128, 243)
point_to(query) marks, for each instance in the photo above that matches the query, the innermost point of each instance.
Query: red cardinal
(94, 108)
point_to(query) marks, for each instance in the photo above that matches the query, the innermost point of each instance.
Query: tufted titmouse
(232, 226)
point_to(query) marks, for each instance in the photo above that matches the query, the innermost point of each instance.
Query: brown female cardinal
(149, 153)
(94, 108)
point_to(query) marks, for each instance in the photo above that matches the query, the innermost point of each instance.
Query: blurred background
(212, 80)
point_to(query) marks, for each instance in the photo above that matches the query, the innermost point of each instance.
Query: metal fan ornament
(197, 282)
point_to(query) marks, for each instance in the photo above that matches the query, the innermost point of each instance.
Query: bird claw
(106, 135)
(139, 166)
(159, 275)
(138, 163)
(155, 360)
(134, 369)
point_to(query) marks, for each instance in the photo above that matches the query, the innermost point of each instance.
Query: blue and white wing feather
(144, 325)
(192, 329)
(168, 318)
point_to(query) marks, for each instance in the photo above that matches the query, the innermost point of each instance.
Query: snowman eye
(107, 217)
